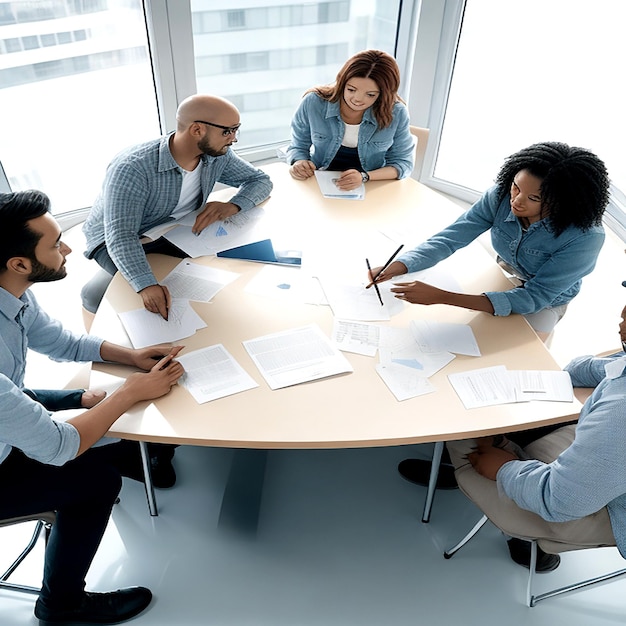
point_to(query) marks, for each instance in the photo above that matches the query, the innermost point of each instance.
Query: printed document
(404, 382)
(237, 230)
(191, 281)
(327, 184)
(148, 329)
(296, 356)
(212, 373)
(445, 337)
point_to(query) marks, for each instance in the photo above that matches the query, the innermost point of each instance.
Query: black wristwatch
(365, 176)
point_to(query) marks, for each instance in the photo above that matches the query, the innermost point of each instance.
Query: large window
(76, 86)
(528, 71)
(263, 56)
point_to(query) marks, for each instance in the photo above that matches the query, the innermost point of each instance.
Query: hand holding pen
(386, 271)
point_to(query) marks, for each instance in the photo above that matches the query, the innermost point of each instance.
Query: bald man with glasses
(164, 179)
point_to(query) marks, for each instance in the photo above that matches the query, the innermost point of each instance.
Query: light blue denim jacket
(590, 473)
(141, 189)
(317, 131)
(551, 266)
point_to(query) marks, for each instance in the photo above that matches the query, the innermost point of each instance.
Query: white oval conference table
(350, 410)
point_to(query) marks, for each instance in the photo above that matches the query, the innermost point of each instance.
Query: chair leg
(532, 600)
(479, 524)
(4, 584)
(432, 481)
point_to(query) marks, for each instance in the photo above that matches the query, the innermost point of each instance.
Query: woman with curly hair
(358, 126)
(545, 216)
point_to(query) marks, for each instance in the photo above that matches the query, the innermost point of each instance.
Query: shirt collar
(10, 306)
(615, 368)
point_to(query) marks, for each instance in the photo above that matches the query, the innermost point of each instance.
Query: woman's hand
(349, 180)
(146, 358)
(393, 269)
(417, 292)
(301, 170)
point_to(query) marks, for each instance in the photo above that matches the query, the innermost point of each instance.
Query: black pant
(82, 492)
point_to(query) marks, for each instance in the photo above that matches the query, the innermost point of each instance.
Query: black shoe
(98, 608)
(162, 472)
(418, 471)
(520, 553)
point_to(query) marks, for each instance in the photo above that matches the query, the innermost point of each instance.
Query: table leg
(147, 477)
(432, 482)
(242, 495)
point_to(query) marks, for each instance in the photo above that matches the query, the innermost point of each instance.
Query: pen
(369, 268)
(386, 265)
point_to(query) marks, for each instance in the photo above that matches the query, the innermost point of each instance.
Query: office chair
(551, 547)
(422, 142)
(44, 523)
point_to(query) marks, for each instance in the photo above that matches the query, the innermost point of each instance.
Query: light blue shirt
(317, 131)
(552, 267)
(24, 423)
(142, 188)
(591, 473)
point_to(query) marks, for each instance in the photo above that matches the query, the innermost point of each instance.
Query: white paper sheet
(356, 337)
(326, 181)
(191, 281)
(296, 356)
(148, 329)
(403, 382)
(355, 302)
(552, 386)
(212, 373)
(242, 228)
(286, 283)
(445, 337)
(483, 387)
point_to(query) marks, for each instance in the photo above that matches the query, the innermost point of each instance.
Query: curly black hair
(574, 183)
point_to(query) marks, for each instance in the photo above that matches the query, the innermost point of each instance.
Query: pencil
(386, 265)
(369, 268)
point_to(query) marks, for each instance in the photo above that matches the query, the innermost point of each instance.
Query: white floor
(339, 541)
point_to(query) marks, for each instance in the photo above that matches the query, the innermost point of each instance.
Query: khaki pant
(590, 531)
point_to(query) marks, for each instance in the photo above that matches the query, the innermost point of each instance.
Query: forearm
(384, 173)
(467, 301)
(93, 424)
(117, 354)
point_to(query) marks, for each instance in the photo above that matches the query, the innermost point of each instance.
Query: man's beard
(206, 148)
(41, 273)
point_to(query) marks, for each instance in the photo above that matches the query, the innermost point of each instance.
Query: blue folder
(263, 252)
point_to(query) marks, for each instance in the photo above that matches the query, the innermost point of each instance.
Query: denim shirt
(141, 189)
(24, 423)
(552, 267)
(317, 131)
(590, 473)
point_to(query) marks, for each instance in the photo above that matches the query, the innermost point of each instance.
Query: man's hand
(213, 212)
(487, 460)
(145, 358)
(301, 170)
(155, 383)
(157, 299)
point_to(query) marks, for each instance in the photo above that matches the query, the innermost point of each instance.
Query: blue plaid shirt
(141, 189)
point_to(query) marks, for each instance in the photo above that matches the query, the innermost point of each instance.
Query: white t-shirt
(351, 136)
(188, 192)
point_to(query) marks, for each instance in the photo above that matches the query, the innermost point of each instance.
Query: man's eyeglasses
(226, 130)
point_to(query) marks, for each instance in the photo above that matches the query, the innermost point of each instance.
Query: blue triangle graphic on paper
(221, 231)
(415, 364)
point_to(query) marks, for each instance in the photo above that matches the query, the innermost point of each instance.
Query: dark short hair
(382, 69)
(16, 210)
(574, 183)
